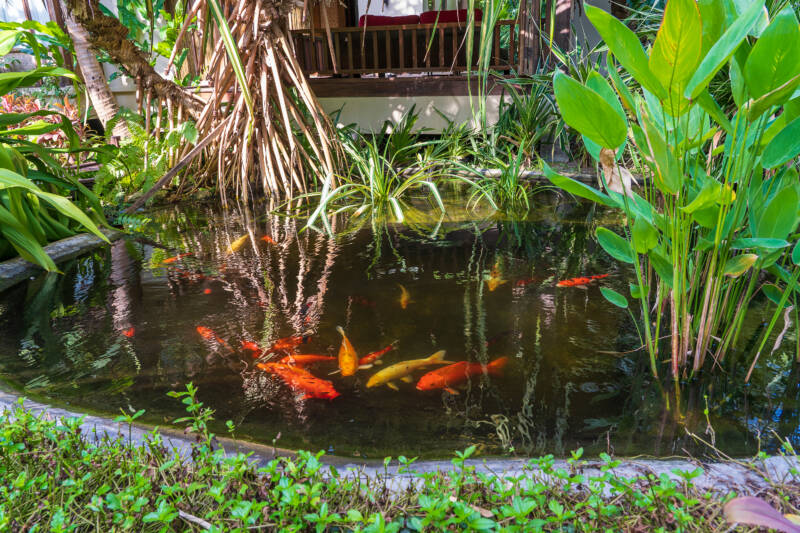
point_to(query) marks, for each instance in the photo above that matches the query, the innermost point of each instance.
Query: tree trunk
(105, 105)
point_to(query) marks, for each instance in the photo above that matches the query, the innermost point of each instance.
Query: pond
(119, 330)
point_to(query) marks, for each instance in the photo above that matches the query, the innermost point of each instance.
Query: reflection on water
(120, 329)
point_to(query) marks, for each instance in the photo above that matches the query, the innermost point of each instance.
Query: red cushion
(380, 20)
(453, 15)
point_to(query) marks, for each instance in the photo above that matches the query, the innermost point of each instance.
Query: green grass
(52, 478)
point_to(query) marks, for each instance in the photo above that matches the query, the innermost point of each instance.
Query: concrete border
(744, 476)
(16, 270)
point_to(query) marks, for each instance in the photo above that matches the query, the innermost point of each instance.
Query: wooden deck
(406, 49)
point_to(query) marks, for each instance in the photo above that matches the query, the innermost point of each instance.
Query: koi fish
(373, 358)
(287, 344)
(129, 332)
(209, 335)
(405, 298)
(300, 380)
(402, 370)
(251, 346)
(305, 359)
(206, 291)
(581, 281)
(174, 259)
(238, 243)
(360, 300)
(495, 279)
(348, 359)
(269, 240)
(524, 282)
(452, 375)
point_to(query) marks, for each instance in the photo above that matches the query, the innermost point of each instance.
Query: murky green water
(64, 338)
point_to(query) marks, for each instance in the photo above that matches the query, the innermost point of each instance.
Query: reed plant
(714, 225)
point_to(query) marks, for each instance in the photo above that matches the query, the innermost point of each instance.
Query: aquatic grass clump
(54, 477)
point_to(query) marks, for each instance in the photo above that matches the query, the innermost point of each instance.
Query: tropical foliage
(715, 223)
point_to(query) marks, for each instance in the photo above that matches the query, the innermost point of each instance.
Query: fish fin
(452, 391)
(406, 379)
(438, 357)
(581, 287)
(334, 372)
(496, 367)
(391, 385)
(362, 367)
(340, 330)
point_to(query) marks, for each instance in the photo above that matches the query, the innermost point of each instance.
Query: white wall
(369, 113)
(12, 11)
(395, 8)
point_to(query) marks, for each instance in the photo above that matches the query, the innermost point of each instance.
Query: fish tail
(437, 357)
(495, 368)
(340, 330)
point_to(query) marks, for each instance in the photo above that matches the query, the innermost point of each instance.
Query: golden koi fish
(403, 370)
(348, 359)
(495, 279)
(238, 243)
(405, 298)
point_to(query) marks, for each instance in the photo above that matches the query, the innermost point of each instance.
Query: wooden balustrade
(414, 48)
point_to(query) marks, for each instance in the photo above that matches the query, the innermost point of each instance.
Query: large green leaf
(12, 80)
(626, 47)
(778, 218)
(588, 112)
(577, 188)
(676, 51)
(23, 242)
(666, 169)
(645, 235)
(713, 15)
(616, 246)
(783, 147)
(775, 58)
(723, 49)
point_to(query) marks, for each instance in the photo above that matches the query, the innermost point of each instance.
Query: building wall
(392, 8)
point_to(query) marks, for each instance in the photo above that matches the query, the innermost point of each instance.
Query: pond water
(119, 330)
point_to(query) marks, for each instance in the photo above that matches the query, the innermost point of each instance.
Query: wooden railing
(411, 48)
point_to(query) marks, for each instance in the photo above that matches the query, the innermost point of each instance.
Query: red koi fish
(174, 259)
(305, 359)
(252, 347)
(206, 291)
(209, 335)
(269, 240)
(578, 282)
(129, 332)
(453, 375)
(524, 282)
(373, 358)
(302, 381)
(287, 344)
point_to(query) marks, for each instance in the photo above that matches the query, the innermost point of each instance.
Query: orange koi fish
(453, 375)
(524, 282)
(495, 280)
(129, 332)
(287, 344)
(238, 243)
(305, 359)
(251, 347)
(405, 298)
(373, 358)
(206, 291)
(302, 381)
(209, 335)
(581, 281)
(269, 240)
(174, 259)
(348, 359)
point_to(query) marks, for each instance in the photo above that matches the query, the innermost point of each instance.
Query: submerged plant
(719, 208)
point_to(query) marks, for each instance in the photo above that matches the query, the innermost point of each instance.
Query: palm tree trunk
(105, 105)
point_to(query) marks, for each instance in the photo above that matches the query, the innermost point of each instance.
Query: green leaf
(662, 266)
(626, 47)
(619, 85)
(738, 265)
(587, 112)
(600, 85)
(723, 49)
(23, 242)
(710, 106)
(667, 174)
(779, 217)
(764, 243)
(636, 291)
(645, 236)
(8, 39)
(775, 295)
(713, 15)
(577, 188)
(796, 254)
(676, 51)
(615, 246)
(783, 147)
(775, 58)
(614, 297)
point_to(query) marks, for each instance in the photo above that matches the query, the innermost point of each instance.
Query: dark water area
(118, 331)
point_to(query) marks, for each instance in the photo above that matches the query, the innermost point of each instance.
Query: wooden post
(563, 24)
(529, 16)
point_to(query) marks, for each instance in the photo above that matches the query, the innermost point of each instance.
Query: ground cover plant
(54, 478)
(715, 223)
